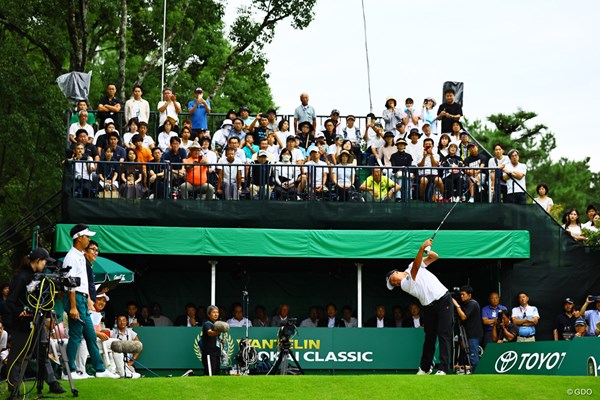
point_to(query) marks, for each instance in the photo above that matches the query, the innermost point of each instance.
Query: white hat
(319, 135)
(226, 122)
(103, 295)
(81, 230)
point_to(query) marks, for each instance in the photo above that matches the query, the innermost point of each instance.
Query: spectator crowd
(415, 152)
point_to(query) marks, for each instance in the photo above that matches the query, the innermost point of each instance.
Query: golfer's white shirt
(426, 287)
(76, 260)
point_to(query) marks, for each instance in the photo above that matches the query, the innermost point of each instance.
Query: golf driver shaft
(440, 225)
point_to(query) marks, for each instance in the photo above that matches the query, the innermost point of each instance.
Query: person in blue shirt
(199, 108)
(489, 315)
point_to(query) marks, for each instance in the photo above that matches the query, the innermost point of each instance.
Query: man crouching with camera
(504, 330)
(22, 315)
(470, 315)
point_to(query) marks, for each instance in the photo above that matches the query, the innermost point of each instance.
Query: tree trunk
(77, 27)
(122, 48)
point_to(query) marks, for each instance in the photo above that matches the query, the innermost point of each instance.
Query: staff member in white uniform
(437, 302)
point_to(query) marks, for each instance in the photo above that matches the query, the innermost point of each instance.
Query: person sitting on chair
(124, 362)
(380, 320)
(332, 320)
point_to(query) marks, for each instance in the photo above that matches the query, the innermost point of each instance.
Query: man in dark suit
(189, 319)
(380, 320)
(332, 320)
(414, 320)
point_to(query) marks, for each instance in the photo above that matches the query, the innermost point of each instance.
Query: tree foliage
(571, 182)
(121, 42)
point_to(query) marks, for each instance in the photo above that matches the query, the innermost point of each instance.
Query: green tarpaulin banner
(580, 356)
(314, 348)
(298, 243)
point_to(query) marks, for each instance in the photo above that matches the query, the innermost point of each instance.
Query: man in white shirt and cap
(417, 281)
(76, 304)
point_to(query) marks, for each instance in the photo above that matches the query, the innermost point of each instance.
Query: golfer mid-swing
(438, 308)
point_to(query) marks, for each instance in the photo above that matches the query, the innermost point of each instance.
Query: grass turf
(321, 387)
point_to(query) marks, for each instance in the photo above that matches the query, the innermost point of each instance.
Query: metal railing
(283, 182)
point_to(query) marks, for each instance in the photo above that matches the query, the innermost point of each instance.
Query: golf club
(440, 225)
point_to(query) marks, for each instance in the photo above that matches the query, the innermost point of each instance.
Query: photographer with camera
(489, 316)
(76, 303)
(469, 313)
(504, 330)
(592, 316)
(22, 316)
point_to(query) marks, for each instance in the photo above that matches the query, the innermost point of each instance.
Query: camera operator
(504, 330)
(469, 313)
(22, 317)
(80, 323)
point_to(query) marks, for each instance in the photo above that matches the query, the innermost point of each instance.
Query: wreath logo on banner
(226, 348)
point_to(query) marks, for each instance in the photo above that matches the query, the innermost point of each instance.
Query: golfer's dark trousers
(437, 318)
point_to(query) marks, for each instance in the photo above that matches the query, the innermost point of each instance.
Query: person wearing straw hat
(392, 115)
(196, 175)
(343, 176)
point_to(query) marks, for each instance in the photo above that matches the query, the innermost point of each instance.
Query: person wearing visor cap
(22, 316)
(438, 313)
(77, 306)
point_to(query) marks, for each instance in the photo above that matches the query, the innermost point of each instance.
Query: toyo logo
(529, 361)
(506, 361)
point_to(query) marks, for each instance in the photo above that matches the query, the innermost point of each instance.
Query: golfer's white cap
(81, 230)
(387, 279)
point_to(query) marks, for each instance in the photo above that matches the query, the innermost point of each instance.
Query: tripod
(38, 344)
(282, 360)
(247, 354)
(461, 349)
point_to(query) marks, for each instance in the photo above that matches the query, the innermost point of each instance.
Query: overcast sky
(540, 56)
